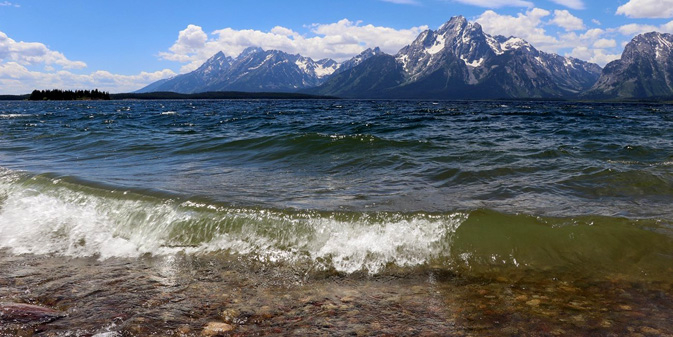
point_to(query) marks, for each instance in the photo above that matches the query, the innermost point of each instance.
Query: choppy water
(374, 187)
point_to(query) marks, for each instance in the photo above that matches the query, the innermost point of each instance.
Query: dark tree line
(68, 95)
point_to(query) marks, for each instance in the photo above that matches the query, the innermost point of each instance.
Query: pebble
(25, 313)
(651, 331)
(533, 303)
(229, 315)
(216, 329)
(184, 329)
(347, 299)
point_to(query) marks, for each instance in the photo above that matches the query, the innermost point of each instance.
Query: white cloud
(17, 79)
(590, 45)
(596, 22)
(190, 40)
(605, 43)
(633, 29)
(667, 27)
(598, 56)
(340, 41)
(497, 3)
(647, 9)
(567, 21)
(592, 34)
(9, 4)
(572, 4)
(525, 25)
(31, 53)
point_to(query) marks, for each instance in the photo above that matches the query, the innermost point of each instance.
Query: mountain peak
(458, 20)
(457, 25)
(250, 50)
(370, 52)
(457, 60)
(652, 43)
(363, 56)
(215, 64)
(645, 69)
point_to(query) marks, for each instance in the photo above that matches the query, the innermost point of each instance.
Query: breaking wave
(46, 214)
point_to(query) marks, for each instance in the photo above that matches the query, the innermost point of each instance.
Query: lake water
(285, 217)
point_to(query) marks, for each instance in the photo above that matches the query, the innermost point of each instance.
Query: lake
(338, 217)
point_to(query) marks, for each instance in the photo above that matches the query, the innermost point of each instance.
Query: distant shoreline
(299, 96)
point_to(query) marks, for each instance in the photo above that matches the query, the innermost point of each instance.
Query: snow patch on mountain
(437, 46)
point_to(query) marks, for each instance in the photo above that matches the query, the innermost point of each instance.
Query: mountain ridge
(456, 61)
(257, 70)
(460, 61)
(645, 70)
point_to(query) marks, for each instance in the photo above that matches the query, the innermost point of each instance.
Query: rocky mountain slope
(457, 61)
(645, 70)
(257, 70)
(460, 61)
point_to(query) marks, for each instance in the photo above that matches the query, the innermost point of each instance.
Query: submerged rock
(26, 313)
(216, 329)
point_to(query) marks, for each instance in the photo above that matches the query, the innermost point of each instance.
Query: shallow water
(182, 294)
(338, 217)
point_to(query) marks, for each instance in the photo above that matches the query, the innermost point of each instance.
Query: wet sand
(181, 295)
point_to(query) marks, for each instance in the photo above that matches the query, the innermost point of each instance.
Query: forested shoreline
(68, 95)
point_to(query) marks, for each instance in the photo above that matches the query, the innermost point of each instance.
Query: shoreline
(239, 95)
(183, 295)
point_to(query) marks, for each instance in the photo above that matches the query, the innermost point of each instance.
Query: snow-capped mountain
(355, 61)
(253, 70)
(459, 60)
(208, 73)
(644, 70)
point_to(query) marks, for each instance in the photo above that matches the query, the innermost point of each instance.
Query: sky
(123, 45)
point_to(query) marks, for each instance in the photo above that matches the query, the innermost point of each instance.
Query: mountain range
(457, 61)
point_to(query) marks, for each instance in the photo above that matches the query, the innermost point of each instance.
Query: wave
(46, 214)
(296, 143)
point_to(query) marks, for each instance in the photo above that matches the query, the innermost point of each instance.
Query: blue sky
(122, 45)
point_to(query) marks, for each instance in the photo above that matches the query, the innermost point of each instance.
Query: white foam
(16, 115)
(64, 222)
(353, 246)
(52, 218)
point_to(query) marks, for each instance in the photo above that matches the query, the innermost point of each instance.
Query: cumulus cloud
(567, 21)
(17, 79)
(31, 53)
(590, 45)
(599, 56)
(605, 43)
(572, 4)
(633, 29)
(18, 58)
(497, 3)
(190, 40)
(527, 26)
(340, 41)
(647, 9)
